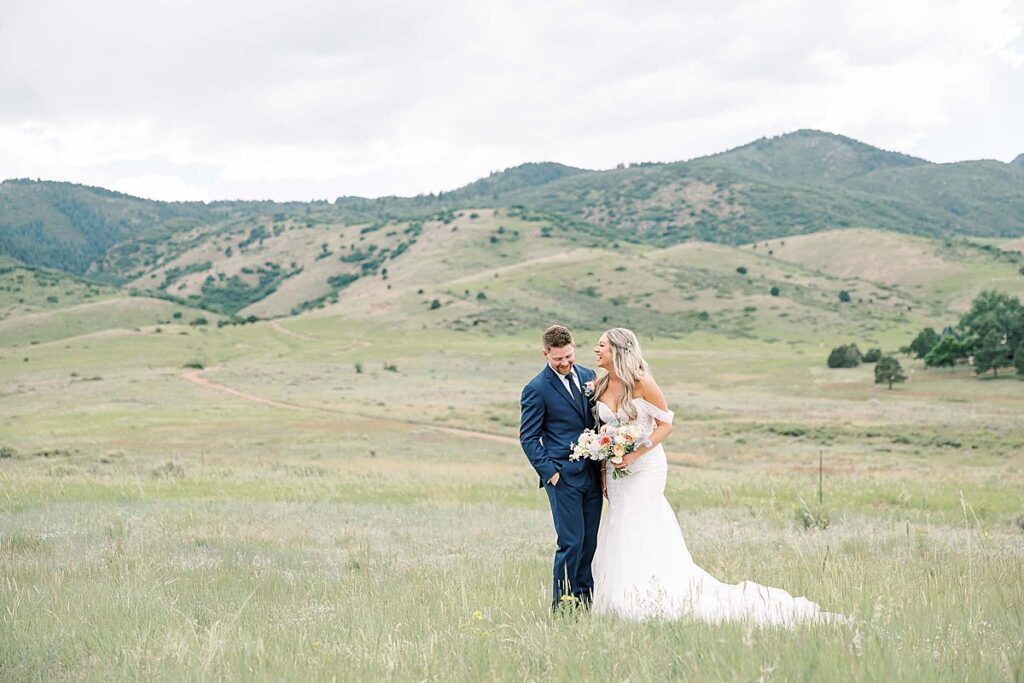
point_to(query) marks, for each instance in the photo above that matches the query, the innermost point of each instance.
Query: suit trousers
(576, 511)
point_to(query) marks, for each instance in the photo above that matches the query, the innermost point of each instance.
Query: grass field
(279, 514)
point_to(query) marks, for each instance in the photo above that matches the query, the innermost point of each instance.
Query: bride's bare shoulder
(647, 389)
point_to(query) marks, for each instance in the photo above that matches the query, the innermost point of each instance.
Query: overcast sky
(313, 99)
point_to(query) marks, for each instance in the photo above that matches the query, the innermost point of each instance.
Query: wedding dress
(642, 568)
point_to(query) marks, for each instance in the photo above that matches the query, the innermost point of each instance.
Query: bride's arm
(648, 390)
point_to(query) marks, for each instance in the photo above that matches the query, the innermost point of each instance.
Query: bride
(642, 568)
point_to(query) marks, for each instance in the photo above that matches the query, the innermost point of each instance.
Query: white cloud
(316, 99)
(165, 187)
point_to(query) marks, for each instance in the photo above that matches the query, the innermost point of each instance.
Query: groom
(555, 410)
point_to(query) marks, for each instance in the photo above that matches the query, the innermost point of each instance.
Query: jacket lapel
(560, 389)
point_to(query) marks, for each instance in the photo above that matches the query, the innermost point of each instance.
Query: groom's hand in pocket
(554, 480)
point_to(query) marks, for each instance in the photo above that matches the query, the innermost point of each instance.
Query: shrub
(872, 355)
(340, 281)
(741, 270)
(359, 368)
(199, 321)
(774, 291)
(846, 356)
(435, 304)
(481, 296)
(194, 365)
(812, 518)
(844, 296)
(169, 470)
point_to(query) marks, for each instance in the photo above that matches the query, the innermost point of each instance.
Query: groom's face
(561, 358)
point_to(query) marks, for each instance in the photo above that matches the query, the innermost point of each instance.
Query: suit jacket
(550, 421)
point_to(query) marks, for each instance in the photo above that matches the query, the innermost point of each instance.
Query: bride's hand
(628, 460)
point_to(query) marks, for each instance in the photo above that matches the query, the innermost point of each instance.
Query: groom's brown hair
(557, 336)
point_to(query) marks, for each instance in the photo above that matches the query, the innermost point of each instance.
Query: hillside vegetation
(797, 220)
(803, 182)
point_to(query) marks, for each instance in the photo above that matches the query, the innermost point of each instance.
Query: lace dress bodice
(647, 413)
(653, 460)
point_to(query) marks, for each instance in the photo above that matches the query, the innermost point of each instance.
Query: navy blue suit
(550, 421)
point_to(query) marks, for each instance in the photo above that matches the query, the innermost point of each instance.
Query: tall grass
(243, 589)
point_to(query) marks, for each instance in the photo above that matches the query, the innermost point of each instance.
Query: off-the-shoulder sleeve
(654, 411)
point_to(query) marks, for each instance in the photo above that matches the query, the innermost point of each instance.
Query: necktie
(576, 395)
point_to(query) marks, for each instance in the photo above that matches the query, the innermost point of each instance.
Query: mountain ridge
(800, 182)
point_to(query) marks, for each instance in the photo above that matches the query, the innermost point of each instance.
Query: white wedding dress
(642, 568)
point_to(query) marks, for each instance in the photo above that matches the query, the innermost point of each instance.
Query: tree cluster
(990, 335)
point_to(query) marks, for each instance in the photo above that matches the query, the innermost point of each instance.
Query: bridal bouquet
(611, 442)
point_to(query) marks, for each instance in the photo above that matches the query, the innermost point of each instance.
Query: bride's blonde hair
(629, 365)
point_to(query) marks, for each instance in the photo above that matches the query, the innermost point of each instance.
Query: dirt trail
(292, 333)
(196, 376)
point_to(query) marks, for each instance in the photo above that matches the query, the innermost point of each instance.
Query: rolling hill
(802, 182)
(818, 213)
(799, 183)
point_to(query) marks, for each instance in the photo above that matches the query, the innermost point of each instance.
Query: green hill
(969, 197)
(81, 229)
(813, 157)
(511, 180)
(120, 315)
(29, 289)
(498, 271)
(70, 227)
(800, 183)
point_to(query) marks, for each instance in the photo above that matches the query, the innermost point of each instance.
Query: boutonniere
(588, 389)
